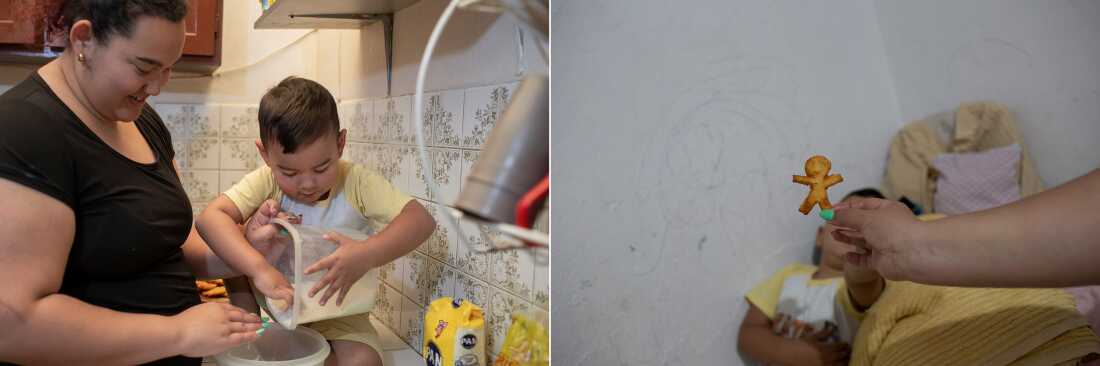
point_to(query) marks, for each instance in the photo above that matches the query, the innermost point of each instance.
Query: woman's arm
(1051, 239)
(41, 326)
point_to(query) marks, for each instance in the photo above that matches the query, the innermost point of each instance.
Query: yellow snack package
(454, 333)
(527, 344)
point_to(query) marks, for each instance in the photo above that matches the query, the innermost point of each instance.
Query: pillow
(976, 181)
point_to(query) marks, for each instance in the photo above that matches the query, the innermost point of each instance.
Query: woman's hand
(214, 327)
(886, 234)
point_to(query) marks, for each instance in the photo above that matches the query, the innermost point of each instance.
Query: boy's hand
(344, 267)
(259, 229)
(261, 233)
(857, 274)
(274, 285)
(821, 353)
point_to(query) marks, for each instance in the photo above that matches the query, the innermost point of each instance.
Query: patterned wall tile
(240, 154)
(202, 154)
(483, 107)
(414, 267)
(357, 152)
(445, 287)
(440, 244)
(470, 261)
(391, 120)
(499, 318)
(230, 178)
(179, 146)
(542, 287)
(388, 273)
(513, 270)
(418, 185)
(388, 163)
(201, 185)
(473, 290)
(190, 121)
(354, 116)
(240, 121)
(427, 121)
(428, 279)
(449, 177)
(405, 173)
(412, 324)
(444, 112)
(387, 307)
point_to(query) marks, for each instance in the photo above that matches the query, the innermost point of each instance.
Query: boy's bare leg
(353, 353)
(240, 294)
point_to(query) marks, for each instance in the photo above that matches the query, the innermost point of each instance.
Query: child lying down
(807, 315)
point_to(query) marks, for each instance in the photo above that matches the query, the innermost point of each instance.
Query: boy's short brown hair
(297, 112)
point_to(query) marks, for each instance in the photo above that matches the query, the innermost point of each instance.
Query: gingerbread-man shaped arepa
(819, 180)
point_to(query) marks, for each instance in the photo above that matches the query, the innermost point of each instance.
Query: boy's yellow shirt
(365, 190)
(793, 294)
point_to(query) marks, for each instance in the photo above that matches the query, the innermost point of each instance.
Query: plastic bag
(526, 344)
(454, 333)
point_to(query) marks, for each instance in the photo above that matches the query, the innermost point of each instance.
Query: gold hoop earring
(80, 57)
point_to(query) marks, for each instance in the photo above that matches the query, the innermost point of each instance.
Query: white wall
(1040, 58)
(676, 129)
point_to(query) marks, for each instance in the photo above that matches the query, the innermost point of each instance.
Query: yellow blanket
(915, 324)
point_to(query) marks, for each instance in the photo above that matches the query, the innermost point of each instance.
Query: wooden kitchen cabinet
(15, 26)
(22, 40)
(201, 22)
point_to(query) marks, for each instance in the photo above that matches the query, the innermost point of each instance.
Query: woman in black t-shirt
(97, 249)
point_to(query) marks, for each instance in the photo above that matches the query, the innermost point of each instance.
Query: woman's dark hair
(111, 17)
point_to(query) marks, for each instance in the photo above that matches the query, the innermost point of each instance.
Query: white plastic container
(305, 245)
(279, 347)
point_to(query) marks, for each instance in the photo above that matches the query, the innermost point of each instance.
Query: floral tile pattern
(406, 173)
(388, 274)
(438, 245)
(202, 154)
(201, 185)
(240, 154)
(448, 165)
(190, 121)
(514, 271)
(240, 121)
(443, 111)
(387, 307)
(499, 318)
(473, 290)
(354, 117)
(412, 322)
(483, 106)
(415, 267)
(391, 120)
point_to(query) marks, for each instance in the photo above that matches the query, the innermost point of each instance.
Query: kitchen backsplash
(215, 147)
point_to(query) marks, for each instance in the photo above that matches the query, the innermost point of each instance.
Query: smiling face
(118, 75)
(311, 171)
